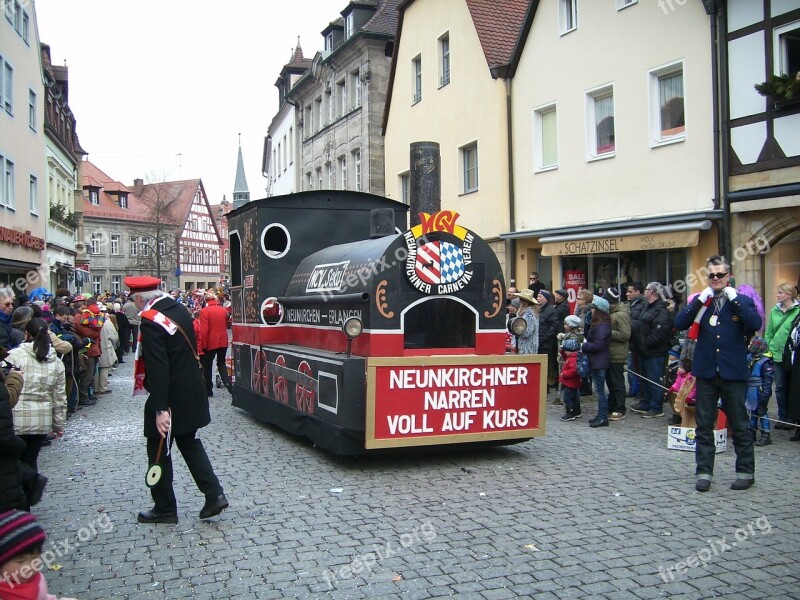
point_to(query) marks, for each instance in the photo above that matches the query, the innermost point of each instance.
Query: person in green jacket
(779, 324)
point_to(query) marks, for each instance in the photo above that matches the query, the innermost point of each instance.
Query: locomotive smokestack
(381, 222)
(426, 181)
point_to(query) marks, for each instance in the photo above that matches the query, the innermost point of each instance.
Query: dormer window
(123, 200)
(94, 197)
(329, 42)
(349, 22)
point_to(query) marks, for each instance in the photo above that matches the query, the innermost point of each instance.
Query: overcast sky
(162, 88)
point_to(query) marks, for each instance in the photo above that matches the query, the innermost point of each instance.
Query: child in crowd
(570, 379)
(683, 377)
(759, 388)
(21, 541)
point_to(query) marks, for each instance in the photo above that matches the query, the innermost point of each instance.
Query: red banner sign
(574, 281)
(443, 400)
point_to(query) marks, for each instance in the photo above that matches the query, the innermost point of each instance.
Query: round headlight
(353, 327)
(519, 325)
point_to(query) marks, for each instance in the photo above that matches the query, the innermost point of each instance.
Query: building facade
(278, 162)
(449, 86)
(23, 176)
(342, 96)
(63, 153)
(759, 41)
(161, 229)
(614, 161)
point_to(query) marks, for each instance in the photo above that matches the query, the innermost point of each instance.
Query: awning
(658, 237)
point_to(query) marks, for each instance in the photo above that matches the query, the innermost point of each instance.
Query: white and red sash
(139, 366)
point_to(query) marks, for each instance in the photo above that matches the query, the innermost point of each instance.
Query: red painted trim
(367, 344)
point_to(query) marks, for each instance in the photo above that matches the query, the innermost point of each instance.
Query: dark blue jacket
(597, 346)
(722, 348)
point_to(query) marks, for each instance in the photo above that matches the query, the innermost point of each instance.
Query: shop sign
(18, 238)
(443, 400)
(629, 243)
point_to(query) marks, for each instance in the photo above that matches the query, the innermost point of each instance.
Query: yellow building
(449, 85)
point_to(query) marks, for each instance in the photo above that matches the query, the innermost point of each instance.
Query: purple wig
(748, 291)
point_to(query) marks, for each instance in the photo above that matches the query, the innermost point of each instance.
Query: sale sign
(574, 281)
(413, 401)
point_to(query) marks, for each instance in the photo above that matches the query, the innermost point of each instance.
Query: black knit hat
(19, 533)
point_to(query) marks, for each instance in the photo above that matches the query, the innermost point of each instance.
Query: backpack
(584, 368)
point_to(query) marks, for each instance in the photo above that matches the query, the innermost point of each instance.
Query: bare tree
(157, 250)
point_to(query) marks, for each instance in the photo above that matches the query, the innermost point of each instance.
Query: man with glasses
(6, 308)
(653, 333)
(721, 321)
(534, 284)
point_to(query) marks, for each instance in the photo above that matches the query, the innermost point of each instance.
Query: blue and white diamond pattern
(452, 260)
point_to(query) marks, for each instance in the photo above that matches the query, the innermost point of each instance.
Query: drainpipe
(511, 250)
(719, 78)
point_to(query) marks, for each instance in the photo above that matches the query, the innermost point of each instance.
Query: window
(787, 49)
(600, 123)
(349, 23)
(116, 283)
(416, 69)
(17, 16)
(114, 240)
(94, 197)
(285, 162)
(667, 120)
(469, 167)
(143, 246)
(33, 195)
(291, 142)
(162, 248)
(331, 169)
(341, 98)
(405, 184)
(355, 88)
(7, 88)
(357, 169)
(134, 246)
(318, 113)
(32, 109)
(96, 240)
(444, 60)
(227, 257)
(343, 171)
(309, 181)
(567, 15)
(25, 27)
(123, 200)
(8, 186)
(319, 178)
(545, 138)
(10, 12)
(329, 105)
(623, 3)
(308, 125)
(97, 284)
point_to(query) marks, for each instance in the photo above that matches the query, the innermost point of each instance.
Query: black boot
(796, 435)
(764, 440)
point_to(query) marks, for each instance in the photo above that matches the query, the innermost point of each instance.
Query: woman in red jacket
(214, 341)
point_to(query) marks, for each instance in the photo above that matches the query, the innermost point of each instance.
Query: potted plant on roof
(783, 89)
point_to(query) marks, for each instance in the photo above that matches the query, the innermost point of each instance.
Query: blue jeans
(634, 382)
(732, 394)
(599, 384)
(779, 378)
(571, 398)
(652, 369)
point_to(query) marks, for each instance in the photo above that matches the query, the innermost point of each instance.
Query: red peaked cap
(143, 283)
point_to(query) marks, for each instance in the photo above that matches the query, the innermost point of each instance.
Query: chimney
(138, 186)
(425, 194)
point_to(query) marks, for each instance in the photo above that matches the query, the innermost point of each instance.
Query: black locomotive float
(360, 333)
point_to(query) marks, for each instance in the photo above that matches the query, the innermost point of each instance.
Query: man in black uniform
(177, 405)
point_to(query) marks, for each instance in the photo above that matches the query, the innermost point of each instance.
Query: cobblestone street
(579, 513)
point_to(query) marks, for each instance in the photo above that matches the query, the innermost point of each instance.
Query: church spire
(241, 193)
